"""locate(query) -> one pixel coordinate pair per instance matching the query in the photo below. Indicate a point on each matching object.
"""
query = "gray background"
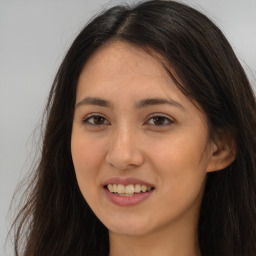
(34, 36)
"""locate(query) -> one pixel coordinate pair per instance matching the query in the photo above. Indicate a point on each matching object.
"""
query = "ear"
(223, 153)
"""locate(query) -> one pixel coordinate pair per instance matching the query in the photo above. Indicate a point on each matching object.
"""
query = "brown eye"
(159, 120)
(96, 120)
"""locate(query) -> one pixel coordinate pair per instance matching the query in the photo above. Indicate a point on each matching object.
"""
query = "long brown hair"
(56, 220)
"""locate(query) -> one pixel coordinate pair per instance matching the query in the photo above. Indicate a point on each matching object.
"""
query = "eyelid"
(167, 117)
(87, 117)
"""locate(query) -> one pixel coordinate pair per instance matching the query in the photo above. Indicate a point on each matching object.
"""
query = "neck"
(180, 241)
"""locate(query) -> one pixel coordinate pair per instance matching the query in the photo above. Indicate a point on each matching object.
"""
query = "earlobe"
(222, 157)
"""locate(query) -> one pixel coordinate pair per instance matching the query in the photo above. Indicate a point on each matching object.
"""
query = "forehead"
(119, 56)
(120, 64)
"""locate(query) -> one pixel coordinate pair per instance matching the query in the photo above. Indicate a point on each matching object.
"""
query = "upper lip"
(126, 181)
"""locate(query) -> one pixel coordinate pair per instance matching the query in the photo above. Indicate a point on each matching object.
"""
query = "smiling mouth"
(128, 190)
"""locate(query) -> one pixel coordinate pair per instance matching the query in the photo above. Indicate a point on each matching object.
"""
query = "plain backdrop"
(34, 36)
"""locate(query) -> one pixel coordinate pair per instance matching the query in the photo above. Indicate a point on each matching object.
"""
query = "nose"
(124, 150)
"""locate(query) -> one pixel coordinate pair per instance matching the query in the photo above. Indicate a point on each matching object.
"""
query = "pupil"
(159, 120)
(98, 120)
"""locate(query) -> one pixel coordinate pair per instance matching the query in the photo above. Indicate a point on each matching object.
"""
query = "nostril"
(124, 160)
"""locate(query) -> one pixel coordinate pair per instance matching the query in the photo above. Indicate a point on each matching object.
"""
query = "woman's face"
(133, 130)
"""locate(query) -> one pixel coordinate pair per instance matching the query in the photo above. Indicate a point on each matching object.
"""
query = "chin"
(132, 227)
(129, 231)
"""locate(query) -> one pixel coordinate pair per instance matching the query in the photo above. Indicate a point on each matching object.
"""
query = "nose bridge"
(124, 149)
(123, 135)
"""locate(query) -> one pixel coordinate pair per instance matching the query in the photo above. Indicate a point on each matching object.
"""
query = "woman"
(150, 126)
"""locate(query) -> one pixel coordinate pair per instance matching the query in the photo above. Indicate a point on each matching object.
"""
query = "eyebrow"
(94, 101)
(159, 101)
(141, 104)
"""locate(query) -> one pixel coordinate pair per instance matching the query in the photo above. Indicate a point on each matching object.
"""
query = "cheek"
(88, 157)
(87, 152)
(181, 165)
(180, 154)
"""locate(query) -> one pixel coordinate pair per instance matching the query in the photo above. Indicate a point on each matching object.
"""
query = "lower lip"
(128, 200)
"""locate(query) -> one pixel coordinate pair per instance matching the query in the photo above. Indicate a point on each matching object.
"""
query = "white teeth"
(110, 188)
(127, 190)
(144, 188)
(137, 188)
(120, 189)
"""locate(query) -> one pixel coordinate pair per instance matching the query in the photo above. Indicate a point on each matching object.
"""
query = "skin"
(173, 153)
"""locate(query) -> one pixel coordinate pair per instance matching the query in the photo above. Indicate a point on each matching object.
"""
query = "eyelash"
(86, 120)
(167, 120)
(164, 120)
